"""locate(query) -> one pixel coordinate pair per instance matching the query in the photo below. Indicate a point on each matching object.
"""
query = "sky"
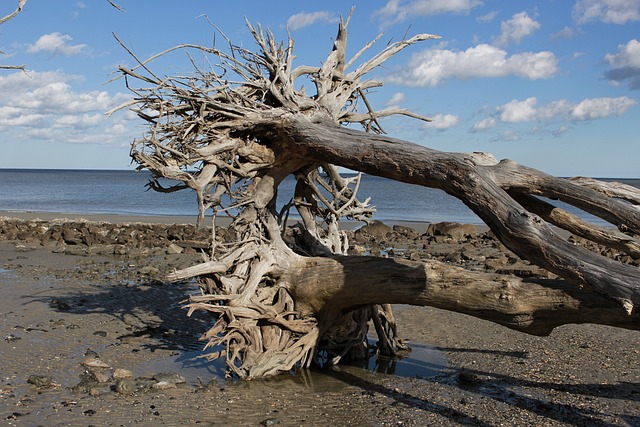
(552, 84)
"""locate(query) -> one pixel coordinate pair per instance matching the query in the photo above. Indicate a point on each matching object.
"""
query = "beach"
(92, 334)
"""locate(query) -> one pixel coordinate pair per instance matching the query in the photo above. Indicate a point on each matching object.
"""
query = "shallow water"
(424, 361)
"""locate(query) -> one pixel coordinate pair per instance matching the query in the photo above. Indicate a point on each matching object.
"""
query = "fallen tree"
(286, 297)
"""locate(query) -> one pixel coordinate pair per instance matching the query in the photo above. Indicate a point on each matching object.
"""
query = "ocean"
(123, 192)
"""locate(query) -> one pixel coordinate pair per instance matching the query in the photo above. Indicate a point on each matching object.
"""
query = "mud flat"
(93, 335)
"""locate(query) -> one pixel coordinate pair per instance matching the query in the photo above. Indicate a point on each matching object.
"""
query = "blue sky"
(551, 84)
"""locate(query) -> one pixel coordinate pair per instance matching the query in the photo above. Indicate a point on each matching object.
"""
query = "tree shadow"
(525, 394)
(151, 311)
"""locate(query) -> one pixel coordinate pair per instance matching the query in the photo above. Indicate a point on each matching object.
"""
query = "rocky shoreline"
(93, 334)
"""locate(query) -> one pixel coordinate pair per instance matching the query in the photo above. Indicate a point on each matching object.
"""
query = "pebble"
(94, 362)
(164, 385)
(125, 386)
(170, 377)
(122, 373)
(41, 381)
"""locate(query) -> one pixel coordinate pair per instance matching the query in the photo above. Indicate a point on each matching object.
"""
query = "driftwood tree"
(286, 297)
(9, 17)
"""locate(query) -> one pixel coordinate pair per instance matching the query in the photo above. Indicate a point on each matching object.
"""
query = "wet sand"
(64, 313)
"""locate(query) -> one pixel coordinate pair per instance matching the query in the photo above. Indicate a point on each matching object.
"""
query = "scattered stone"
(174, 249)
(376, 229)
(454, 230)
(164, 385)
(407, 232)
(170, 377)
(94, 362)
(12, 338)
(269, 422)
(120, 373)
(125, 386)
(100, 376)
(41, 381)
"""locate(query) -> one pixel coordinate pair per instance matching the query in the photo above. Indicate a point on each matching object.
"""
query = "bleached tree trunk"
(289, 297)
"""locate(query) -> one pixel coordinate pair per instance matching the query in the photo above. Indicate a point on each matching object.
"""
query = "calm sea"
(123, 192)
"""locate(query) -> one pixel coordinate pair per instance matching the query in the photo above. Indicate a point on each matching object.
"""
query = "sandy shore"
(68, 311)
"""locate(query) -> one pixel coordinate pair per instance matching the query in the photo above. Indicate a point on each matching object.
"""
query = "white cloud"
(56, 43)
(45, 106)
(301, 20)
(628, 55)
(515, 29)
(396, 11)
(484, 124)
(487, 17)
(430, 67)
(609, 11)
(625, 65)
(443, 121)
(561, 110)
(597, 108)
(395, 99)
(518, 111)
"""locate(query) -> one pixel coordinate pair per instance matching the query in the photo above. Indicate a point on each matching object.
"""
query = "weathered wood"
(278, 294)
(326, 286)
(479, 187)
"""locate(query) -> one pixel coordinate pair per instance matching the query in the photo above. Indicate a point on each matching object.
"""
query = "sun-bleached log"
(287, 297)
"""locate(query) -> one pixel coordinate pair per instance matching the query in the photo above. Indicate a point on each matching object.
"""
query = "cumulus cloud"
(396, 11)
(518, 111)
(521, 111)
(430, 67)
(484, 124)
(57, 44)
(45, 106)
(625, 65)
(443, 121)
(609, 11)
(515, 29)
(301, 20)
(395, 99)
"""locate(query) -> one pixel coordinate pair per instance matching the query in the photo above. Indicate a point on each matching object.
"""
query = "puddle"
(2, 270)
(423, 361)
(195, 370)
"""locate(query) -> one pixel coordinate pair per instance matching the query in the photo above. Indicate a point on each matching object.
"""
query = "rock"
(94, 362)
(120, 373)
(407, 232)
(101, 377)
(170, 377)
(376, 229)
(174, 249)
(454, 230)
(12, 338)
(41, 381)
(415, 256)
(357, 250)
(125, 386)
(164, 385)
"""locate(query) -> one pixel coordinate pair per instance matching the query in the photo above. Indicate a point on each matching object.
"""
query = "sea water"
(125, 192)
